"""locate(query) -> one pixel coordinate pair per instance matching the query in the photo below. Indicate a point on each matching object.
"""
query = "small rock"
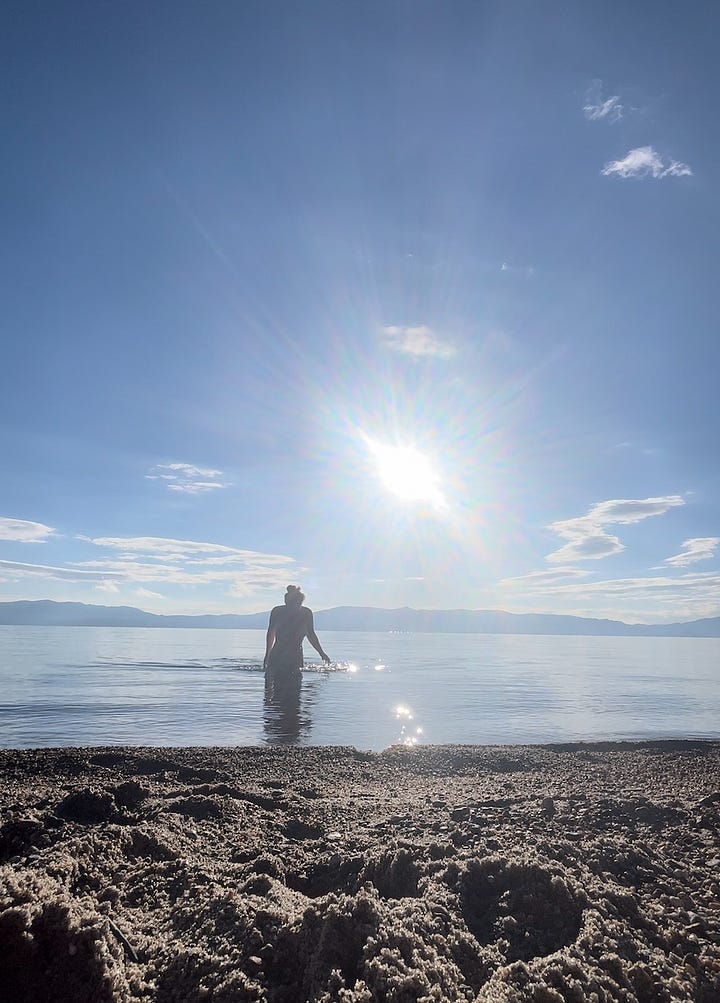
(548, 807)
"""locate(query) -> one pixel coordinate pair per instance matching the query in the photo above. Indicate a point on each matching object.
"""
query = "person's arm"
(313, 638)
(269, 638)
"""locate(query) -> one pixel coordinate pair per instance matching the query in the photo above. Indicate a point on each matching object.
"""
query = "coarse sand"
(551, 874)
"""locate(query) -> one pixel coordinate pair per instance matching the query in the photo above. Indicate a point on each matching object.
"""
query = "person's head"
(293, 596)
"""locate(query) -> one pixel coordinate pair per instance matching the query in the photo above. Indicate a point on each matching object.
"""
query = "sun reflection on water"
(409, 734)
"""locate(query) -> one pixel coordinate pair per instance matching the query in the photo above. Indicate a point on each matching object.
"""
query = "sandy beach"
(552, 874)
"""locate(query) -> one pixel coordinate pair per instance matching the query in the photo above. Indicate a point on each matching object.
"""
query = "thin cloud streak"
(22, 570)
(545, 577)
(173, 549)
(666, 598)
(180, 574)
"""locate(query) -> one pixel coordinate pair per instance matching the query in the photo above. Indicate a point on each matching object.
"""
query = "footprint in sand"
(530, 908)
(47, 957)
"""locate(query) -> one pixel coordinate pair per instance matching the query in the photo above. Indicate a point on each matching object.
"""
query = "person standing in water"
(289, 626)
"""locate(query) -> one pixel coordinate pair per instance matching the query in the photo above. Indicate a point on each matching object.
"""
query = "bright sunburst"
(406, 473)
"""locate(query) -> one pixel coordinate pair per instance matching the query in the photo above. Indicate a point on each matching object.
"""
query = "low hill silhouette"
(48, 613)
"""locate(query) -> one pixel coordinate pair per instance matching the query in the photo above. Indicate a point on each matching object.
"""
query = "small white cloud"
(597, 108)
(22, 531)
(700, 548)
(148, 594)
(417, 341)
(186, 478)
(106, 587)
(644, 162)
(586, 534)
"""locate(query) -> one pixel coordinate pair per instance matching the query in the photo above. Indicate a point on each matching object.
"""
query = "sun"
(406, 473)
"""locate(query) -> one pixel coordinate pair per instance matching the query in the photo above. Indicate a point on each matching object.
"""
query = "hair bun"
(294, 595)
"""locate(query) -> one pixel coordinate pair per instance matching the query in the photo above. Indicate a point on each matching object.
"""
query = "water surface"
(165, 686)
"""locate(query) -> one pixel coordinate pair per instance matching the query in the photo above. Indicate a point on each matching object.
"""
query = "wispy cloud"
(148, 560)
(18, 569)
(645, 162)
(186, 478)
(136, 564)
(700, 548)
(182, 549)
(22, 531)
(418, 342)
(587, 536)
(598, 108)
(527, 270)
(662, 599)
(548, 576)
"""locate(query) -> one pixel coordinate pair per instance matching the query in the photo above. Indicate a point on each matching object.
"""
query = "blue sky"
(250, 248)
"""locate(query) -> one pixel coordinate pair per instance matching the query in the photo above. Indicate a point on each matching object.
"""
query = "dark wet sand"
(552, 874)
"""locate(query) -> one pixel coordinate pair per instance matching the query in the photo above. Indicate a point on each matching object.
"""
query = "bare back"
(290, 624)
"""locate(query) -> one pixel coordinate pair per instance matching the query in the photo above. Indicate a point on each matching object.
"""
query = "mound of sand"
(543, 874)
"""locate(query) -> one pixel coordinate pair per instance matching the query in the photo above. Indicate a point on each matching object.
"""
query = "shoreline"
(559, 873)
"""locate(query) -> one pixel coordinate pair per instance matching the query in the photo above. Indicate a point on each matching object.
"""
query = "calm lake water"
(112, 686)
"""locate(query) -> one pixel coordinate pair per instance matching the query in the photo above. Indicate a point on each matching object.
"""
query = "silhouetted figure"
(289, 626)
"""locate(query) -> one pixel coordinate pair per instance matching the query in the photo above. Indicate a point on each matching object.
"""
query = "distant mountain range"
(46, 613)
